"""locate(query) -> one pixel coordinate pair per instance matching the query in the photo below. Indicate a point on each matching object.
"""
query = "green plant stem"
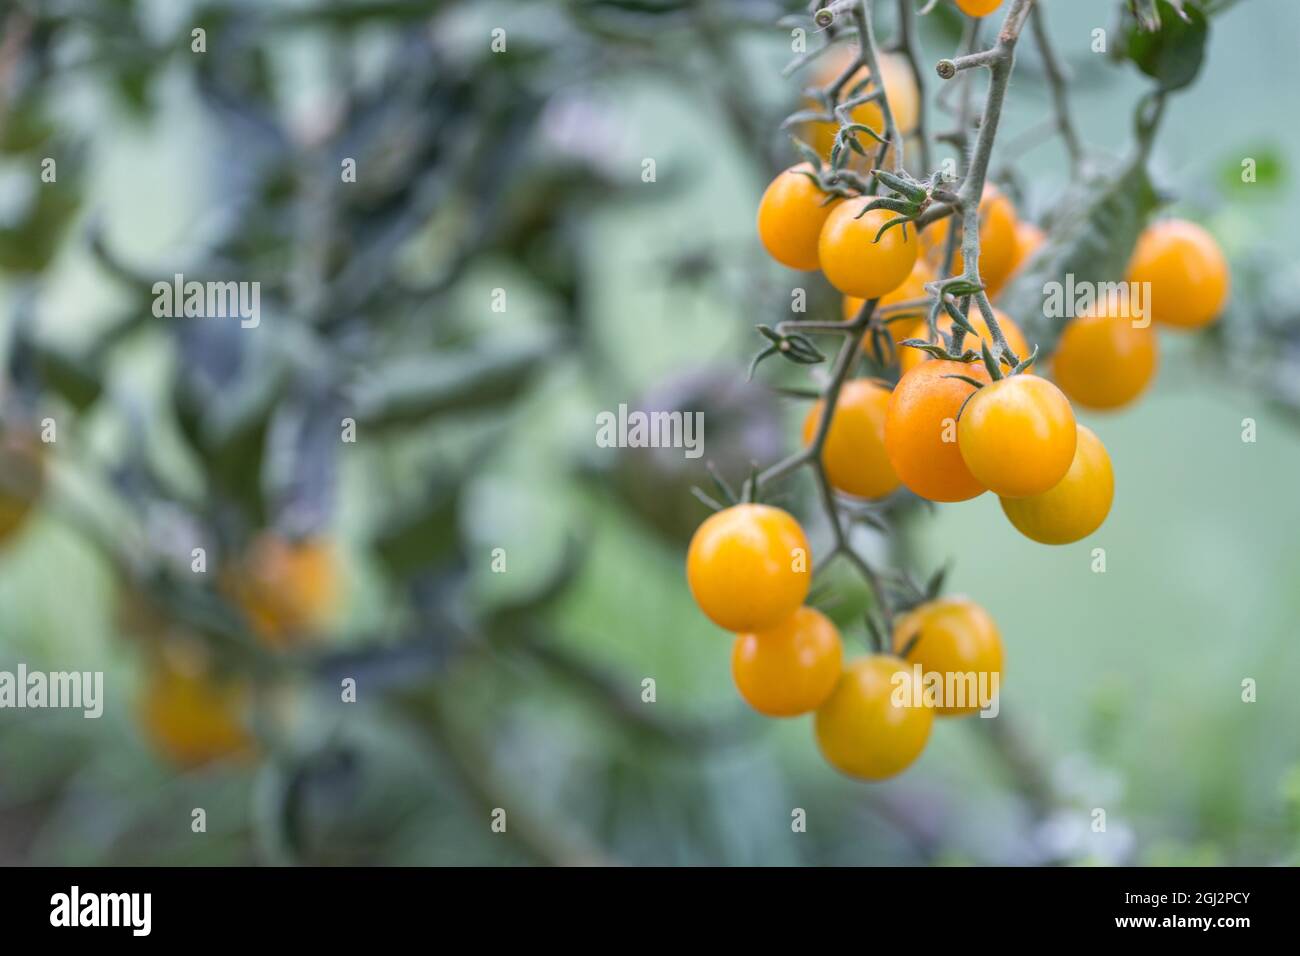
(1056, 82)
(870, 58)
(911, 50)
(1000, 61)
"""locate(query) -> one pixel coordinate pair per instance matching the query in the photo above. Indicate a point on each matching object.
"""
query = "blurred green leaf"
(413, 390)
(1092, 241)
(1173, 53)
(1269, 171)
(422, 537)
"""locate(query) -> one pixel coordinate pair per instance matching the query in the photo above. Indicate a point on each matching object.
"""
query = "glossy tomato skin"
(956, 636)
(790, 218)
(913, 288)
(997, 240)
(747, 567)
(900, 88)
(978, 8)
(1187, 272)
(1105, 362)
(862, 730)
(854, 453)
(854, 262)
(1018, 436)
(789, 669)
(909, 358)
(1076, 506)
(921, 430)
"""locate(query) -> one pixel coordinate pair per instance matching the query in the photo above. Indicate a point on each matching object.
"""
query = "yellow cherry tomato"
(1029, 238)
(909, 358)
(789, 669)
(1104, 361)
(854, 262)
(956, 639)
(288, 589)
(997, 240)
(978, 8)
(900, 89)
(1076, 506)
(921, 430)
(748, 567)
(1017, 436)
(854, 453)
(1187, 272)
(872, 727)
(191, 717)
(790, 218)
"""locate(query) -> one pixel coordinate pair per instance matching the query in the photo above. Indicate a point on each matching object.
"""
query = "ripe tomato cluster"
(947, 430)
(748, 568)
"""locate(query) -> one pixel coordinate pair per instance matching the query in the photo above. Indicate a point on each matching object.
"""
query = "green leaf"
(413, 390)
(424, 536)
(1171, 55)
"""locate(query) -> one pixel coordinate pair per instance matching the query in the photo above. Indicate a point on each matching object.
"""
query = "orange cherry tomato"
(978, 8)
(909, 358)
(956, 639)
(1017, 435)
(854, 453)
(997, 240)
(1076, 506)
(789, 669)
(854, 262)
(790, 218)
(748, 567)
(870, 727)
(1104, 361)
(900, 88)
(191, 717)
(1029, 238)
(921, 430)
(288, 589)
(1187, 272)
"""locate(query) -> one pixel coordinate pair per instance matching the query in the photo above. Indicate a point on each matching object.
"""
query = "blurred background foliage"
(481, 171)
